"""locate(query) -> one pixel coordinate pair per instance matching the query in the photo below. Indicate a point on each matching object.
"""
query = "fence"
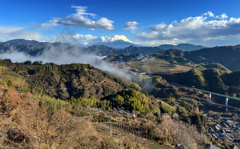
(111, 128)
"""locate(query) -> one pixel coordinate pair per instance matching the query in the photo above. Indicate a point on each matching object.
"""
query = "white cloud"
(149, 36)
(51, 23)
(81, 10)
(2, 40)
(84, 37)
(209, 13)
(223, 16)
(18, 32)
(130, 25)
(197, 28)
(80, 19)
(158, 27)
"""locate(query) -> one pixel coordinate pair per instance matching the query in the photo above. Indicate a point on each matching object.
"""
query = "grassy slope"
(157, 66)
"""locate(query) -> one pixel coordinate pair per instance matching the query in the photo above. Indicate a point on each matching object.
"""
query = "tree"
(182, 112)
(51, 63)
(171, 101)
(28, 62)
(118, 100)
(136, 86)
(37, 63)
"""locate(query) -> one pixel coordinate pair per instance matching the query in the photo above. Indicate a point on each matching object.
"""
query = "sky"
(142, 22)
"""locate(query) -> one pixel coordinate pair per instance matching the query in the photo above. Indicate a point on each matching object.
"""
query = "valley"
(103, 74)
(148, 106)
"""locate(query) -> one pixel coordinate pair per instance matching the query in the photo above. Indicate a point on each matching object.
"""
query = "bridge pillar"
(226, 103)
(210, 96)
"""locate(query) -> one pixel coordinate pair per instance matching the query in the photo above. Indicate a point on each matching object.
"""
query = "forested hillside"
(228, 56)
(62, 93)
(66, 81)
(216, 80)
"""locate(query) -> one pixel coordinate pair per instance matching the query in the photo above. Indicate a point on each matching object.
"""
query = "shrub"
(170, 100)
(166, 109)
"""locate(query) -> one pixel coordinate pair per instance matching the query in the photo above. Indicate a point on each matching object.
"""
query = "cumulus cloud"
(81, 19)
(158, 27)
(209, 13)
(18, 32)
(130, 25)
(149, 36)
(223, 16)
(84, 37)
(194, 28)
(81, 10)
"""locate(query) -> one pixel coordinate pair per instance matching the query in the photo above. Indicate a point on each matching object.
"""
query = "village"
(223, 127)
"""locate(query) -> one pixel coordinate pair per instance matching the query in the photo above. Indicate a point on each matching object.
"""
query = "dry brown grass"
(25, 123)
(176, 132)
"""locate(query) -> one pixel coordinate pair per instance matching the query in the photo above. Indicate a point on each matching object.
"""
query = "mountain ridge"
(182, 46)
(227, 56)
(119, 44)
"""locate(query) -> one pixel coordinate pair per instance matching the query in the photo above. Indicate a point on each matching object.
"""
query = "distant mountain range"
(33, 43)
(228, 56)
(123, 44)
(118, 44)
(237, 45)
(33, 47)
(182, 46)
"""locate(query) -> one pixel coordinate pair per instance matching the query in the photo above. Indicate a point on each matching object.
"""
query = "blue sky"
(143, 22)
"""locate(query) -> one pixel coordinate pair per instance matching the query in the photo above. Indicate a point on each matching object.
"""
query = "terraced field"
(158, 66)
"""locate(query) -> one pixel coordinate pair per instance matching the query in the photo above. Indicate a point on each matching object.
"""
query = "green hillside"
(215, 65)
(66, 81)
(216, 80)
(228, 56)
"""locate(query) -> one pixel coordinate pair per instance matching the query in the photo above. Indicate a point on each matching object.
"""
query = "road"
(217, 104)
(221, 95)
